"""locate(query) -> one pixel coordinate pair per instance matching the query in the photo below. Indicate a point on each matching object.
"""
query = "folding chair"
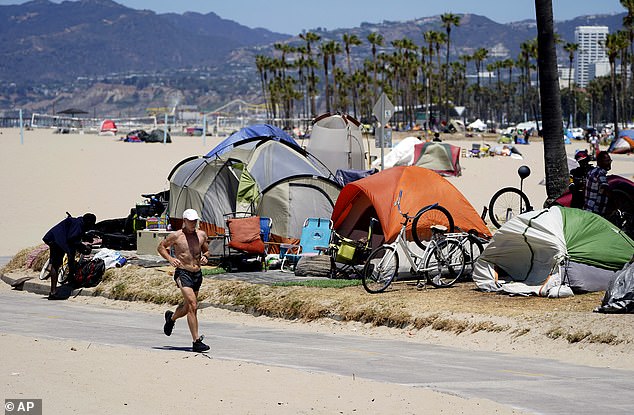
(245, 237)
(315, 240)
(475, 150)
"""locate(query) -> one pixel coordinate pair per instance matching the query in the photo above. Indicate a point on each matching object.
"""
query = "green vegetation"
(319, 283)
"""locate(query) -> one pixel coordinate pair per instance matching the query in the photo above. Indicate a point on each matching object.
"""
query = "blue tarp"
(252, 131)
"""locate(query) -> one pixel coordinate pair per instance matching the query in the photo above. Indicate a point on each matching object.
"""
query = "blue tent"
(250, 132)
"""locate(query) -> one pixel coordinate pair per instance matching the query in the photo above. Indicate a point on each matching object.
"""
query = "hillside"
(105, 57)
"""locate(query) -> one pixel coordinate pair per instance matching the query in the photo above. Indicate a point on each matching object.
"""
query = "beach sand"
(50, 174)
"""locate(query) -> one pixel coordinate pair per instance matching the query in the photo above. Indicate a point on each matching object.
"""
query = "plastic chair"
(315, 240)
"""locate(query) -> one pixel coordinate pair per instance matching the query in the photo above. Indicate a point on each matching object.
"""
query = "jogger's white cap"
(190, 214)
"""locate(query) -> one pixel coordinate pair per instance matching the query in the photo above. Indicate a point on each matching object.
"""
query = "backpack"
(88, 273)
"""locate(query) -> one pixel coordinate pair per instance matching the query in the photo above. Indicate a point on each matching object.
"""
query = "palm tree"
(556, 166)
(571, 48)
(310, 38)
(479, 56)
(351, 40)
(628, 23)
(508, 91)
(325, 50)
(448, 20)
(335, 49)
(375, 39)
(529, 50)
(262, 64)
(614, 42)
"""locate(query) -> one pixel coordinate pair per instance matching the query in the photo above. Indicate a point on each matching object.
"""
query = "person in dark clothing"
(578, 178)
(67, 237)
(597, 190)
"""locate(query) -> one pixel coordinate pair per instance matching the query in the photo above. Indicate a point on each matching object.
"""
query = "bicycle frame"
(417, 262)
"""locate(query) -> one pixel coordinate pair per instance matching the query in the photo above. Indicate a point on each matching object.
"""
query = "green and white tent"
(527, 255)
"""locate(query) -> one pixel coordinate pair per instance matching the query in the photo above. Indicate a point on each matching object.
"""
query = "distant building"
(600, 68)
(591, 40)
(566, 76)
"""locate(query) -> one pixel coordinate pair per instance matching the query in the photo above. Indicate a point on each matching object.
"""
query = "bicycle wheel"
(380, 269)
(621, 210)
(445, 264)
(64, 271)
(44, 273)
(472, 248)
(425, 219)
(506, 204)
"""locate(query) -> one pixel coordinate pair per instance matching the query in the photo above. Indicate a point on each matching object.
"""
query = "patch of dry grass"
(460, 309)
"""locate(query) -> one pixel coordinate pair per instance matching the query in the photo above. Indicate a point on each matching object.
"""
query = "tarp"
(255, 131)
(442, 158)
(236, 181)
(345, 176)
(619, 297)
(337, 140)
(374, 196)
(402, 154)
(530, 248)
(158, 136)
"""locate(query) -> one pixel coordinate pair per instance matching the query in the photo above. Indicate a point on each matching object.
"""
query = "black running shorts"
(189, 279)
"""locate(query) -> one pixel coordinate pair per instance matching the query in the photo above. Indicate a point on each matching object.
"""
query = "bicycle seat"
(438, 229)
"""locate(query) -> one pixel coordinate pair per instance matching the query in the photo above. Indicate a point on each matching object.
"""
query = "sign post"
(383, 111)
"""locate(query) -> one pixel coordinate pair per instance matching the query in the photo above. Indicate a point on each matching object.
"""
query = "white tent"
(401, 155)
(477, 125)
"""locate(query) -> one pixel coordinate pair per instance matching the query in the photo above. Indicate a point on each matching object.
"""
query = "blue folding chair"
(315, 240)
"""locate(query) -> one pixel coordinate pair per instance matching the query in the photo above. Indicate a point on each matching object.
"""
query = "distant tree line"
(425, 79)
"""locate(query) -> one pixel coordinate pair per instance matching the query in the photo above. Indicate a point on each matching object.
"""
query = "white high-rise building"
(591, 40)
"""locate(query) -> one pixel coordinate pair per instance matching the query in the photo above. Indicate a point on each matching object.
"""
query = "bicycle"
(621, 210)
(472, 246)
(509, 202)
(441, 263)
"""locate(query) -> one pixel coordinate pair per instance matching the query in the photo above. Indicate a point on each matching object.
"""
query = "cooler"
(148, 240)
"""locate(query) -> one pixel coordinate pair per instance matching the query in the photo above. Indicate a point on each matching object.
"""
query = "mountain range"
(73, 46)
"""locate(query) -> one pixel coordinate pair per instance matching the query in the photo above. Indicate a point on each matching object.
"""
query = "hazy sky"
(294, 16)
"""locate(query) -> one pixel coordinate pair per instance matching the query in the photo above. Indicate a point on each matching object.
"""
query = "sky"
(295, 16)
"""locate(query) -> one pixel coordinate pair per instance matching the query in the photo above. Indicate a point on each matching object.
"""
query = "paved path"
(534, 384)
(4, 260)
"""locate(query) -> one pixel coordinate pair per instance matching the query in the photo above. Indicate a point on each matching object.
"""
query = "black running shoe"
(198, 346)
(169, 323)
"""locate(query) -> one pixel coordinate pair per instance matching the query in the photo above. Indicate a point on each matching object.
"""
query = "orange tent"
(375, 195)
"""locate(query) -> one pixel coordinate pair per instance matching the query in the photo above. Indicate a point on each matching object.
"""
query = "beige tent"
(337, 141)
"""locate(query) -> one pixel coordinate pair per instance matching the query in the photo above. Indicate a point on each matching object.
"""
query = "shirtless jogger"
(190, 250)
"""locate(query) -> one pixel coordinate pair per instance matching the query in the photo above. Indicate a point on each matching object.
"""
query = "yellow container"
(346, 251)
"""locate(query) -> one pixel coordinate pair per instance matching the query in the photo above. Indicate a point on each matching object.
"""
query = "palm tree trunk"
(555, 162)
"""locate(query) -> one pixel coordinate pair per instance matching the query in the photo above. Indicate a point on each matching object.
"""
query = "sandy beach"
(50, 174)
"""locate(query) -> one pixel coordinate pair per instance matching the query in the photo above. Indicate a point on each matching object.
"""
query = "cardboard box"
(148, 240)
